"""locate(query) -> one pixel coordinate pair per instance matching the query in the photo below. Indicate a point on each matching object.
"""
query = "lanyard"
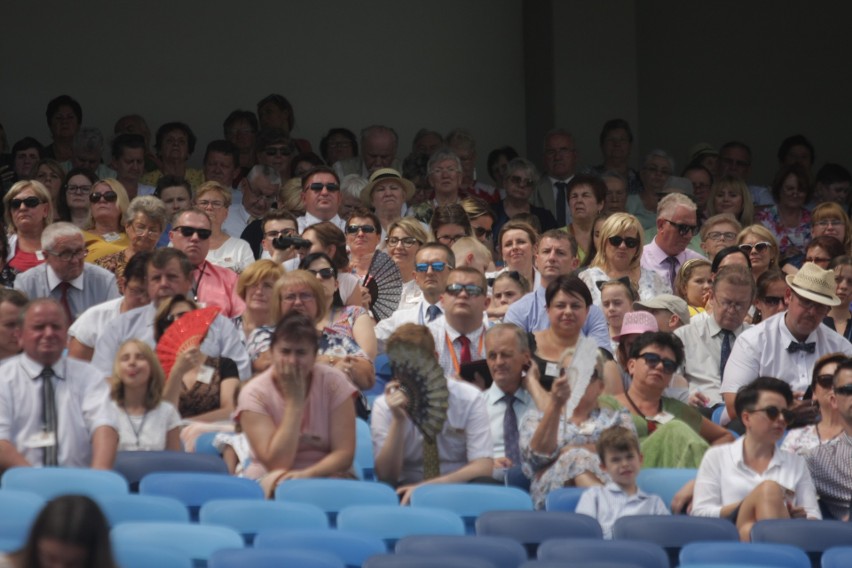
(197, 282)
(456, 365)
(136, 431)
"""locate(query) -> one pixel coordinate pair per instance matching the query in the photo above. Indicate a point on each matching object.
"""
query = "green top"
(679, 410)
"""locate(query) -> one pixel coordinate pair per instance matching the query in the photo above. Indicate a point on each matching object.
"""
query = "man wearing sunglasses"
(211, 285)
(677, 223)
(259, 190)
(321, 197)
(65, 276)
(275, 149)
(788, 344)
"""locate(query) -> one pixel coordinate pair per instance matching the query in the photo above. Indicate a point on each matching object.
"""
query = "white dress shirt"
(608, 503)
(449, 356)
(724, 479)
(416, 314)
(88, 327)
(82, 406)
(762, 351)
(497, 410)
(237, 220)
(308, 220)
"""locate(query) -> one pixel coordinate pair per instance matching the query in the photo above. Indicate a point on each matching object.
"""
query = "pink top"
(217, 286)
(23, 261)
(329, 389)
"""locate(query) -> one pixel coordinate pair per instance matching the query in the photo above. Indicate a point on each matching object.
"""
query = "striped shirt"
(831, 470)
(608, 503)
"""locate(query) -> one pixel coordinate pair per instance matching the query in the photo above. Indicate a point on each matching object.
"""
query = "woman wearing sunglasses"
(671, 433)
(619, 253)
(328, 238)
(769, 300)
(104, 232)
(28, 211)
(802, 440)
(363, 233)
(760, 246)
(520, 181)
(405, 237)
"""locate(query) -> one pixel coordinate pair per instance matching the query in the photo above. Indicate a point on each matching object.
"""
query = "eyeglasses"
(171, 318)
(472, 290)
(318, 186)
(406, 242)
(481, 232)
(108, 196)
(682, 228)
(355, 229)
(144, 230)
(810, 305)
(30, 202)
(187, 232)
(655, 170)
(732, 306)
(773, 412)
(772, 300)
(845, 390)
(720, 236)
(629, 242)
(450, 240)
(441, 171)
(205, 203)
(281, 233)
(425, 266)
(67, 255)
(304, 297)
(829, 223)
(759, 247)
(79, 189)
(324, 273)
(817, 259)
(521, 182)
(653, 361)
(271, 151)
(825, 381)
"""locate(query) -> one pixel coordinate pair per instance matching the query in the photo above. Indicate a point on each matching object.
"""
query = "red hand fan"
(187, 332)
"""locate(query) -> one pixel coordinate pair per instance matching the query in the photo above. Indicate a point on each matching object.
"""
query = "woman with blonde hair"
(254, 286)
(226, 250)
(105, 234)
(730, 194)
(619, 253)
(145, 420)
(290, 197)
(51, 174)
(830, 220)
(405, 237)
(760, 245)
(28, 210)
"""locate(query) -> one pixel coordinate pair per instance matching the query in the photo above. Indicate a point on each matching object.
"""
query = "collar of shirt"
(312, 220)
(657, 256)
(715, 330)
(33, 368)
(53, 280)
(494, 394)
(615, 488)
(554, 181)
(453, 334)
(736, 449)
(424, 305)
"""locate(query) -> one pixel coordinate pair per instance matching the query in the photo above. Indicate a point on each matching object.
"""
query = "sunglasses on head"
(30, 202)
(480, 232)
(424, 266)
(318, 187)
(108, 196)
(758, 247)
(773, 412)
(629, 242)
(825, 381)
(472, 290)
(324, 273)
(845, 390)
(354, 229)
(682, 228)
(653, 360)
(187, 232)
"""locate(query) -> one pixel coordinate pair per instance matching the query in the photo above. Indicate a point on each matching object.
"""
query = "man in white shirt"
(787, 345)
(677, 222)
(321, 196)
(259, 192)
(54, 411)
(560, 162)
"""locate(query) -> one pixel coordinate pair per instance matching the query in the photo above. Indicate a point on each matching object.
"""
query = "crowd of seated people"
(716, 307)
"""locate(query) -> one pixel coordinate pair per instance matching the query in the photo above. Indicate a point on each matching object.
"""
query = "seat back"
(195, 542)
(442, 561)
(50, 482)
(133, 466)
(502, 552)
(563, 499)
(141, 508)
(672, 532)
(813, 538)
(364, 458)
(837, 557)
(581, 552)
(392, 522)
(137, 556)
(352, 548)
(250, 516)
(471, 500)
(271, 558)
(194, 489)
(757, 554)
(18, 510)
(665, 482)
(332, 495)
(531, 528)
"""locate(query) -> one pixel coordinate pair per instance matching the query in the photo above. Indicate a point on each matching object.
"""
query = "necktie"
(728, 339)
(464, 352)
(510, 430)
(673, 262)
(63, 299)
(48, 405)
(432, 312)
(801, 346)
(561, 203)
(431, 462)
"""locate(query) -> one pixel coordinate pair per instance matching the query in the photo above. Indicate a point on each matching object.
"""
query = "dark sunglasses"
(472, 290)
(480, 232)
(274, 151)
(773, 412)
(825, 381)
(629, 242)
(424, 266)
(30, 202)
(324, 273)
(109, 197)
(759, 247)
(366, 229)
(187, 232)
(520, 182)
(318, 187)
(845, 390)
(772, 300)
(653, 360)
(682, 228)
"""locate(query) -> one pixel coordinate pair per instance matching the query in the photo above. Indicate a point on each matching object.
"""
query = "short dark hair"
(296, 327)
(162, 256)
(346, 133)
(318, 170)
(494, 155)
(124, 141)
(595, 182)
(281, 102)
(277, 215)
(720, 256)
(453, 214)
(269, 136)
(172, 181)
(223, 147)
(833, 173)
(796, 170)
(747, 396)
(831, 245)
(434, 245)
(172, 126)
(661, 339)
(364, 213)
(137, 266)
(569, 284)
(616, 439)
(27, 143)
(827, 359)
(60, 101)
(237, 116)
(14, 297)
(615, 124)
(736, 144)
(845, 365)
(795, 140)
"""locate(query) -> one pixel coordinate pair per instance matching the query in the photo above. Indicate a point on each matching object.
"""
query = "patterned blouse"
(791, 240)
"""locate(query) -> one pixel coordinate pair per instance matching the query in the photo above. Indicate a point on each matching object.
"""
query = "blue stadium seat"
(471, 500)
(50, 482)
(531, 528)
(443, 561)
(352, 548)
(756, 554)
(195, 542)
(563, 499)
(665, 482)
(392, 522)
(837, 557)
(250, 516)
(332, 495)
(136, 465)
(18, 510)
(672, 532)
(204, 444)
(814, 538)
(139, 556)
(270, 558)
(194, 489)
(502, 552)
(364, 459)
(581, 552)
(140, 508)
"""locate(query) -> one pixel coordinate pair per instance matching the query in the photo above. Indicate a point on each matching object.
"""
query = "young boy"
(618, 449)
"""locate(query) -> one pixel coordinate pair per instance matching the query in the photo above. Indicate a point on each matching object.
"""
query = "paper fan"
(187, 332)
(580, 371)
(422, 380)
(384, 282)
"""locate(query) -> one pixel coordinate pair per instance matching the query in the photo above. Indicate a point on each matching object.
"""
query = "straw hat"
(383, 174)
(814, 283)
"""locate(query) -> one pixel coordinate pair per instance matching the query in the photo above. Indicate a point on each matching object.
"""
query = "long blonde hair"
(156, 379)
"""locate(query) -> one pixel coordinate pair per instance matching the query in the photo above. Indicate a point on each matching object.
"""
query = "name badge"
(205, 374)
(662, 417)
(587, 428)
(41, 440)
(551, 370)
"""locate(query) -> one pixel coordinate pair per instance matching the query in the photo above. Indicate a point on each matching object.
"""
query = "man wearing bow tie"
(787, 345)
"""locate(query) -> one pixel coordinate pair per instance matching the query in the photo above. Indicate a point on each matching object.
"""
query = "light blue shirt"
(608, 503)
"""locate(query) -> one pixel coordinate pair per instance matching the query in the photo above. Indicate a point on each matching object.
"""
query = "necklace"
(136, 431)
(630, 400)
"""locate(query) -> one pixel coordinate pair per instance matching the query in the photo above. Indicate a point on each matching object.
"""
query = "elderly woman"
(559, 450)
(226, 251)
(28, 211)
(144, 221)
(802, 440)
(175, 143)
(718, 232)
(298, 415)
(326, 237)
(789, 220)
(51, 175)
(730, 194)
(26, 153)
(363, 232)
(405, 237)
(64, 116)
(445, 178)
(586, 197)
(387, 193)
(105, 234)
(830, 220)
(517, 243)
(619, 252)
(672, 433)
(520, 181)
(761, 247)
(254, 286)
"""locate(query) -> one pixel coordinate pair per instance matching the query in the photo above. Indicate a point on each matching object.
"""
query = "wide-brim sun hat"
(815, 284)
(383, 174)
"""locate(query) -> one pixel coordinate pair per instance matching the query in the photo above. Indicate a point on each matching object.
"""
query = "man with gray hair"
(378, 150)
(259, 191)
(677, 222)
(65, 276)
(560, 162)
(87, 153)
(655, 173)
